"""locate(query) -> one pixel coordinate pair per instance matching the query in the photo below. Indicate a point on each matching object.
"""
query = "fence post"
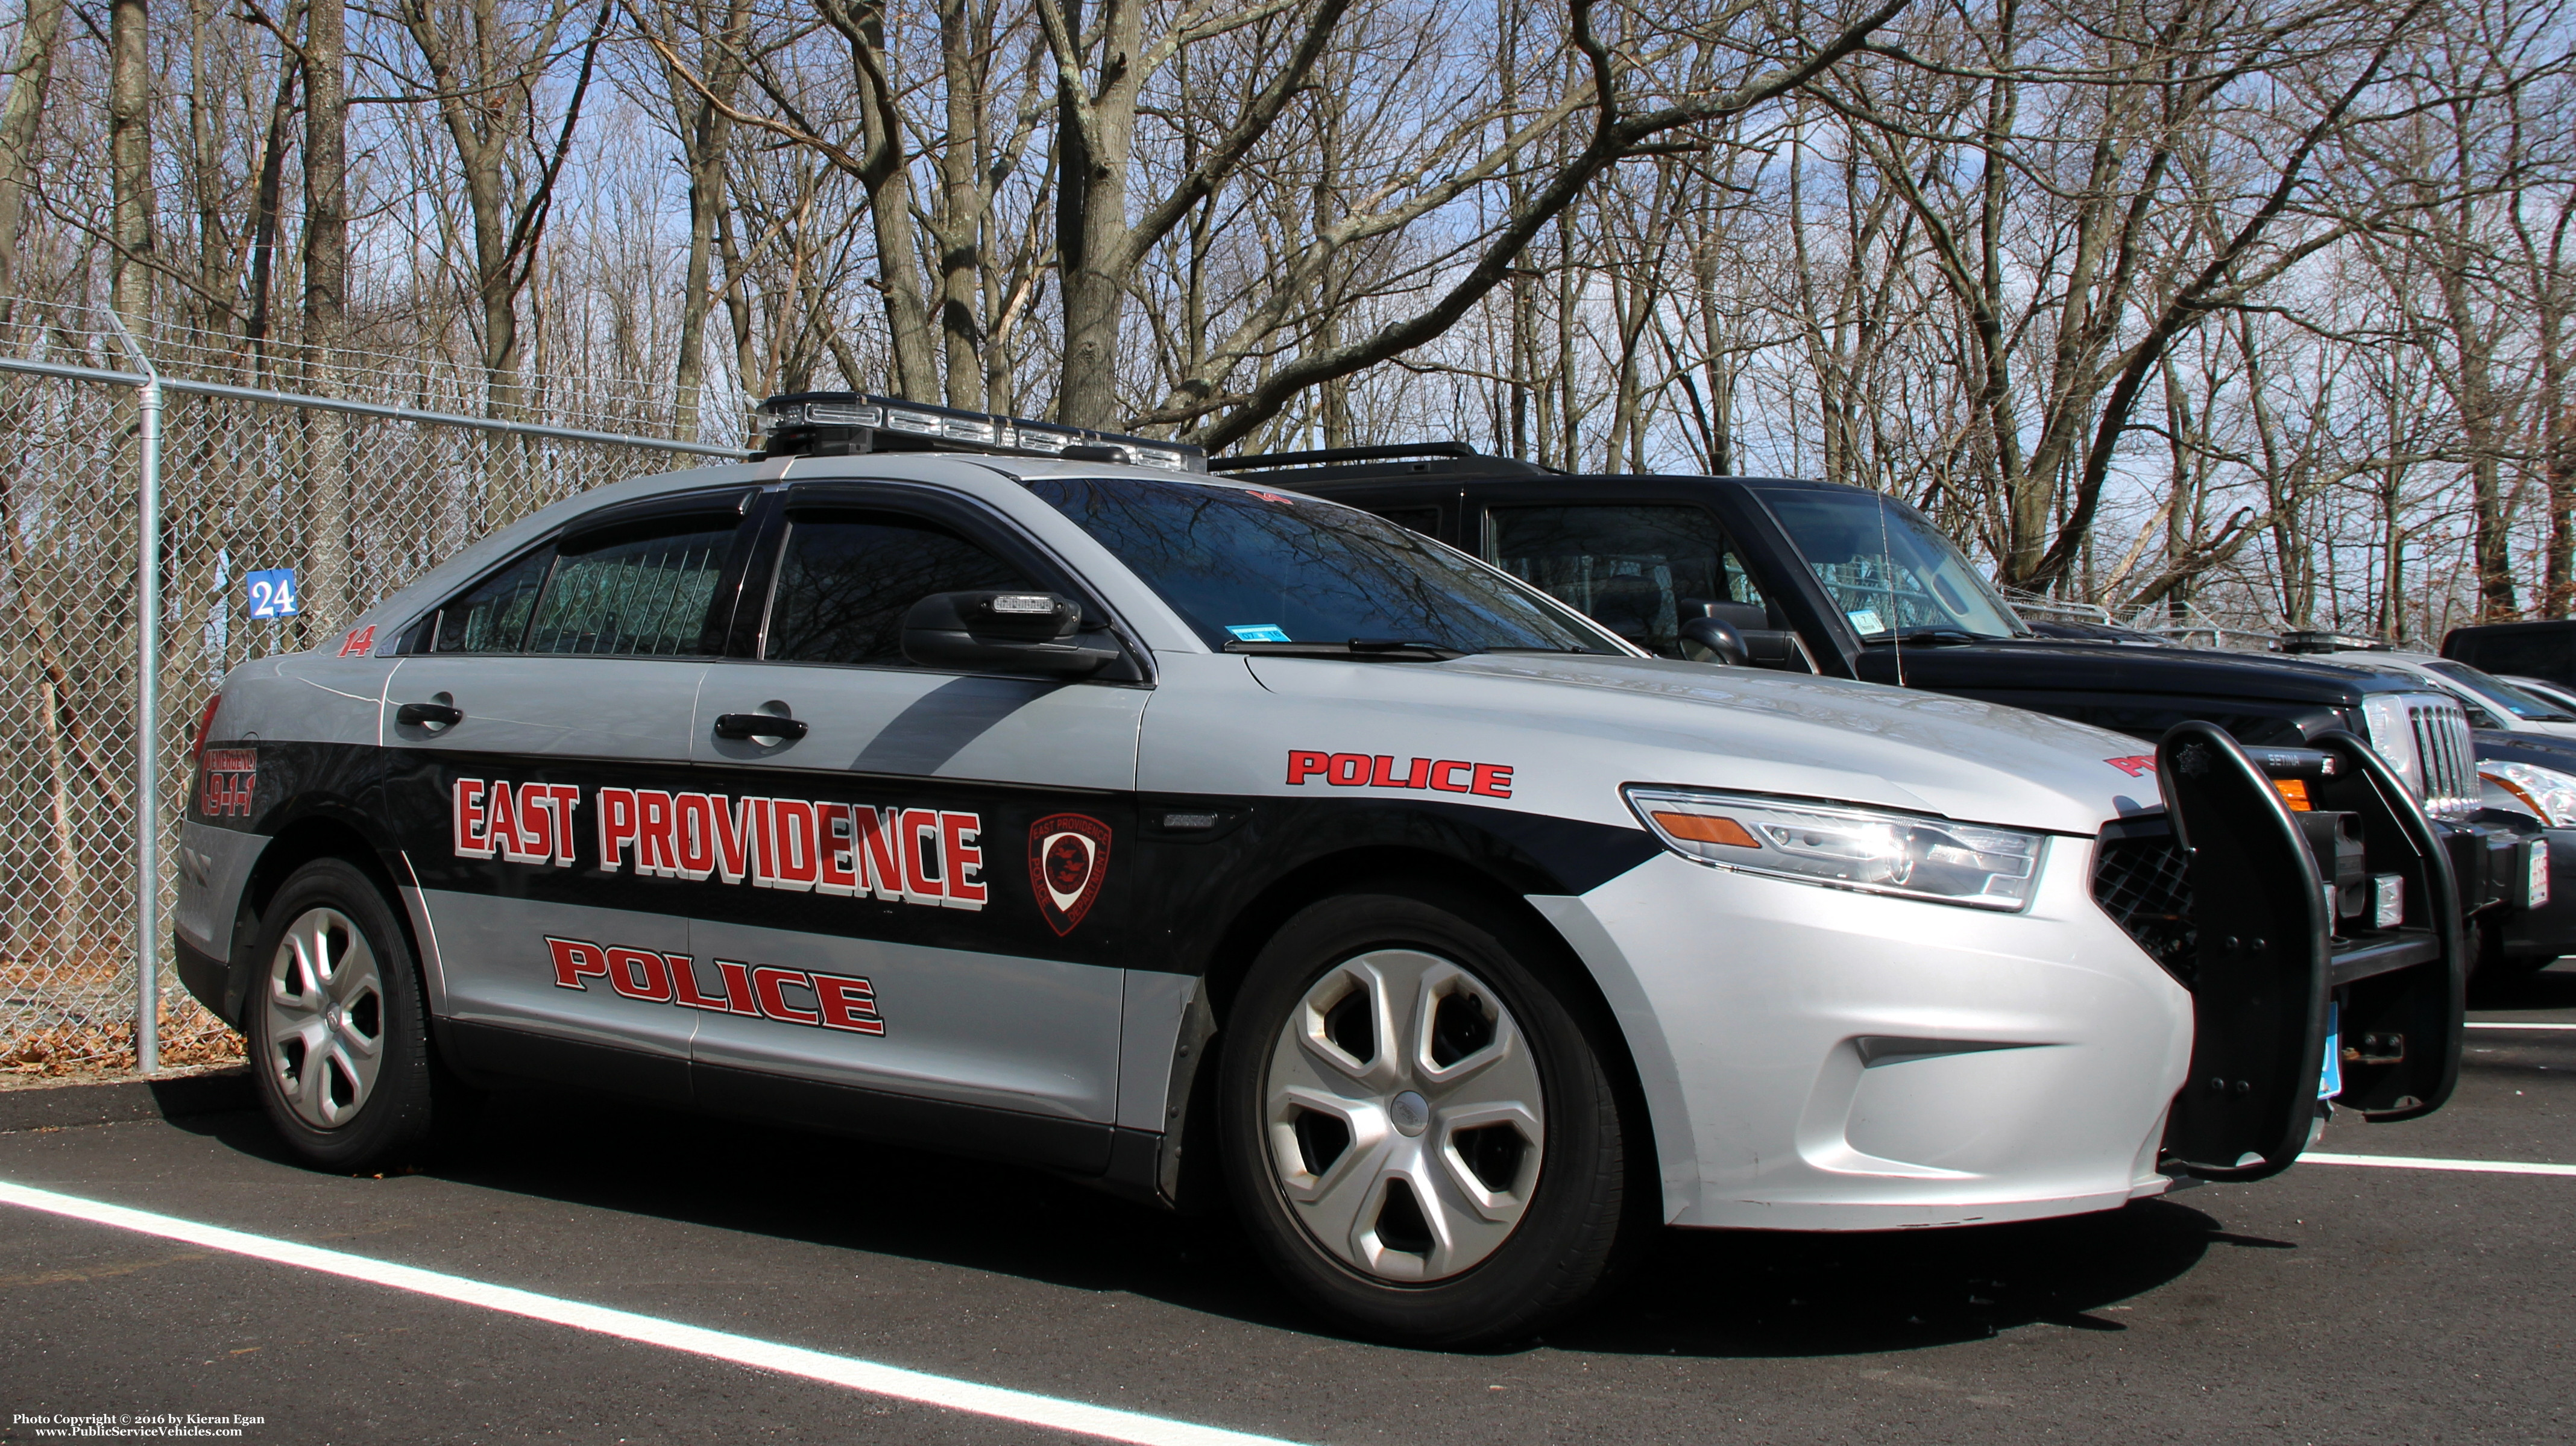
(147, 712)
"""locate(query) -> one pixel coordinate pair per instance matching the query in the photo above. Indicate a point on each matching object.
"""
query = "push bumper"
(2267, 953)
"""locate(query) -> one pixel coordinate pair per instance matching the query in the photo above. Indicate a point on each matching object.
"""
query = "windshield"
(2496, 693)
(1268, 567)
(1890, 572)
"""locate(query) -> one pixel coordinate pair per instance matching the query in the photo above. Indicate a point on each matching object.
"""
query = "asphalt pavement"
(2338, 1303)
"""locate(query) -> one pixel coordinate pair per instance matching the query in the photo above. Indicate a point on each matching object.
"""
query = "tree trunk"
(129, 149)
(962, 202)
(706, 135)
(19, 115)
(1092, 190)
(329, 584)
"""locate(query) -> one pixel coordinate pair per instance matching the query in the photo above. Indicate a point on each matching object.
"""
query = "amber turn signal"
(1707, 828)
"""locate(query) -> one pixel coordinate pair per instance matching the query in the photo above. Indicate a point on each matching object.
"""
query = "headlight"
(2529, 788)
(2392, 737)
(1847, 848)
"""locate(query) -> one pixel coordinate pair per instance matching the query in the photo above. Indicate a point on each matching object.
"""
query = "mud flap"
(2259, 991)
(2401, 1026)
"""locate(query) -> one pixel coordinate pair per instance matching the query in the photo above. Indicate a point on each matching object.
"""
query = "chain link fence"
(359, 477)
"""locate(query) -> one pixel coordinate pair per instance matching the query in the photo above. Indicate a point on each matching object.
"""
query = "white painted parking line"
(2510, 1024)
(943, 1391)
(2411, 1162)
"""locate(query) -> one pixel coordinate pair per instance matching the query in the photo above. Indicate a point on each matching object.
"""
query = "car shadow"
(2551, 988)
(1695, 1293)
(1787, 1293)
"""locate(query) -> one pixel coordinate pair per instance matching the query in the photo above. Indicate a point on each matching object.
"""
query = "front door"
(920, 894)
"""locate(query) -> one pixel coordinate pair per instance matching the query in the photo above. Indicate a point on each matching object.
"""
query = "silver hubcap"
(326, 1018)
(1405, 1116)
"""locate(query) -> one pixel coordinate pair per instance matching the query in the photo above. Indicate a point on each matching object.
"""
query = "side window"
(1425, 520)
(637, 591)
(846, 580)
(1630, 568)
(492, 616)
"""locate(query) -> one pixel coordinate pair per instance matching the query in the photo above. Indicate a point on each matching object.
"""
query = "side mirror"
(1003, 632)
(1756, 642)
(1714, 640)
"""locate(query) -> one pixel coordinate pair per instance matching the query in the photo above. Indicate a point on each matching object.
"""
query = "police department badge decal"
(1068, 857)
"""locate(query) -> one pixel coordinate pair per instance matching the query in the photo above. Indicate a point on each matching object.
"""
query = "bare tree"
(129, 120)
(29, 75)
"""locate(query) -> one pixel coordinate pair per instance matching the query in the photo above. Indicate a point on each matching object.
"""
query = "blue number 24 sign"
(272, 593)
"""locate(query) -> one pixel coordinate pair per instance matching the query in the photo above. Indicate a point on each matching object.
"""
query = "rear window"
(492, 616)
(2496, 693)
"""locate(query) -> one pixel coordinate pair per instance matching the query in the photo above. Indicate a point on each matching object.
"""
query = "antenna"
(1895, 608)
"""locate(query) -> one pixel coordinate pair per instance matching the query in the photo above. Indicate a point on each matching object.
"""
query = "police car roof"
(957, 469)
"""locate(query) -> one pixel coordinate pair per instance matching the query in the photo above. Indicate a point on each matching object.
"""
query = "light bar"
(840, 423)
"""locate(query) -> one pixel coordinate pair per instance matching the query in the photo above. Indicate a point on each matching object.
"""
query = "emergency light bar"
(847, 424)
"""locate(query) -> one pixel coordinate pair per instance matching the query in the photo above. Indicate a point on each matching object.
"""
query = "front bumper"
(1815, 1059)
(2537, 935)
(1829, 1060)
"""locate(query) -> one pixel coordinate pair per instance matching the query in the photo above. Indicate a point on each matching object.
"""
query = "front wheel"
(1418, 1129)
(338, 1029)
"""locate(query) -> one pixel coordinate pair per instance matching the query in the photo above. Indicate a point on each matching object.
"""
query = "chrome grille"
(2142, 883)
(2449, 754)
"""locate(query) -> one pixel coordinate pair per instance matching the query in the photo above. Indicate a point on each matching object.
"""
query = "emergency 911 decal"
(231, 775)
(758, 991)
(922, 856)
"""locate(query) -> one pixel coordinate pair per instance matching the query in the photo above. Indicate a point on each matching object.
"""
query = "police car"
(988, 787)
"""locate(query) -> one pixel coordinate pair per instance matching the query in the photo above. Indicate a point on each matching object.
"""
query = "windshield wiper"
(1392, 650)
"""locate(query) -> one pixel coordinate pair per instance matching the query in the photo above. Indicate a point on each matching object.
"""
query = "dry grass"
(68, 1016)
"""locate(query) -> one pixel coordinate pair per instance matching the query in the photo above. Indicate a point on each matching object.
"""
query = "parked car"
(2525, 743)
(950, 780)
(1843, 582)
(2535, 649)
(2492, 702)
(2558, 695)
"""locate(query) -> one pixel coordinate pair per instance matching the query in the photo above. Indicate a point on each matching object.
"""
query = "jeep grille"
(2449, 755)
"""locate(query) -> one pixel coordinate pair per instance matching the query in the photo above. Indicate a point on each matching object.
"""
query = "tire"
(338, 1028)
(1418, 1132)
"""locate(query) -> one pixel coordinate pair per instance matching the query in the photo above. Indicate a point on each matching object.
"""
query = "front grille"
(2142, 883)
(2449, 754)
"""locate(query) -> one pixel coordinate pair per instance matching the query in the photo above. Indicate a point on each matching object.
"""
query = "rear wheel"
(337, 1026)
(1418, 1130)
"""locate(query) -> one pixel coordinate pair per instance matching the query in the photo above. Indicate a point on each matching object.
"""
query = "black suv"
(1841, 581)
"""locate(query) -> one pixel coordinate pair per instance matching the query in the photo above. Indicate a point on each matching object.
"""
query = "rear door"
(926, 899)
(567, 676)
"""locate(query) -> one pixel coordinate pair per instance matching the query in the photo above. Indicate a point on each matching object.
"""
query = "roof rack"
(1362, 464)
(849, 424)
(1320, 455)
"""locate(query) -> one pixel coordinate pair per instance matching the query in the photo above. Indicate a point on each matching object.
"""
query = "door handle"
(414, 715)
(740, 726)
